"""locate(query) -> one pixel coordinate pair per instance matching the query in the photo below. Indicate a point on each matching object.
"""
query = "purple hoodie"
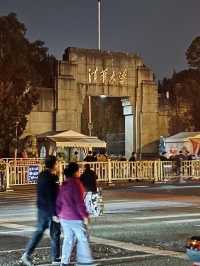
(70, 201)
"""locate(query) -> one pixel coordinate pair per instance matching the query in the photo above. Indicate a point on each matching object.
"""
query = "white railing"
(16, 173)
(191, 169)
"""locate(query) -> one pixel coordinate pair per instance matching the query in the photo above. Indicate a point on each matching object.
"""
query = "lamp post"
(90, 125)
(16, 136)
(99, 24)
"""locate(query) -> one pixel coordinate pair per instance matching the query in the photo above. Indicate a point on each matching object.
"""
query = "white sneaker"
(25, 260)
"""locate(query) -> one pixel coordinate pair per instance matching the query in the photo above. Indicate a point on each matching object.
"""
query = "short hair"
(87, 166)
(71, 169)
(50, 162)
(90, 152)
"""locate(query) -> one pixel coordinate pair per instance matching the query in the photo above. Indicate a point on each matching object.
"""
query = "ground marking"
(166, 216)
(181, 221)
(134, 247)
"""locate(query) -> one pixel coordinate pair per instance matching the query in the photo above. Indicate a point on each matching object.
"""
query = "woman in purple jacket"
(73, 216)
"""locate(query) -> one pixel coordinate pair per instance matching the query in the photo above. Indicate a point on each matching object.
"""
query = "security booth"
(67, 145)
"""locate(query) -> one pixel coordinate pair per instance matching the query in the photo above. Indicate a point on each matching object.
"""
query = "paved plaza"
(142, 225)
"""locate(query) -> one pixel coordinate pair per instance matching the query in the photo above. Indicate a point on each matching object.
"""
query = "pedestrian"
(102, 157)
(90, 157)
(74, 218)
(75, 157)
(89, 179)
(123, 159)
(93, 197)
(189, 156)
(133, 157)
(163, 156)
(47, 190)
(179, 158)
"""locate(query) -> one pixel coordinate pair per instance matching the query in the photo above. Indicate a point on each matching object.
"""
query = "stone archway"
(84, 73)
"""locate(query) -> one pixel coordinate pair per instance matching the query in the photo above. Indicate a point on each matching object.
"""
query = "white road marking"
(181, 221)
(140, 248)
(166, 216)
(18, 219)
(16, 233)
(174, 187)
(121, 207)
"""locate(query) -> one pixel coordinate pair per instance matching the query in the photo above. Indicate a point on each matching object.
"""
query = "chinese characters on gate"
(106, 76)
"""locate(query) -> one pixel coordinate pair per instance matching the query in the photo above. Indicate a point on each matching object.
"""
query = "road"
(142, 225)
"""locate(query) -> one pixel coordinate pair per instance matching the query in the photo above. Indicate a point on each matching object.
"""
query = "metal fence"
(23, 172)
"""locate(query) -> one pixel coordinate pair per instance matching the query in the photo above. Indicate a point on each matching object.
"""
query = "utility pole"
(90, 124)
(99, 24)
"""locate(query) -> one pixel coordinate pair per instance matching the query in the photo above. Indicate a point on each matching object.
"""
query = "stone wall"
(41, 119)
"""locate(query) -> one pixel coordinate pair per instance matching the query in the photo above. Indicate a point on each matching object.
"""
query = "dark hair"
(71, 169)
(90, 152)
(87, 167)
(50, 162)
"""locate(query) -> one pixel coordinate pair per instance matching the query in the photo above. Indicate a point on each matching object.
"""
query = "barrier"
(191, 169)
(23, 172)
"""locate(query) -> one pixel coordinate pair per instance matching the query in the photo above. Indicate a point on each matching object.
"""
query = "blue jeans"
(194, 255)
(45, 222)
(75, 232)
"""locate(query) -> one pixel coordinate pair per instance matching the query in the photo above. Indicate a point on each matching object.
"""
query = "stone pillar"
(147, 112)
(69, 105)
(129, 127)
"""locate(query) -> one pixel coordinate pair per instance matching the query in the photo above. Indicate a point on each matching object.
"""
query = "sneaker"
(56, 261)
(25, 260)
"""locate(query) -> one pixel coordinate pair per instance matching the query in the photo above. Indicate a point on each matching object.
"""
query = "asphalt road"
(142, 225)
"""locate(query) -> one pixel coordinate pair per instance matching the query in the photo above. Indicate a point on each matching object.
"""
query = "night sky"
(158, 30)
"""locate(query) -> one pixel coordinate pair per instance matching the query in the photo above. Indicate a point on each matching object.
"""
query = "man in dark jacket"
(47, 189)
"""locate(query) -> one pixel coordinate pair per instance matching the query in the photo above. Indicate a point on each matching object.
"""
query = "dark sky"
(159, 30)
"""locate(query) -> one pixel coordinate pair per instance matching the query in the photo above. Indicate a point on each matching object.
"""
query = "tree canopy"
(183, 90)
(193, 54)
(24, 66)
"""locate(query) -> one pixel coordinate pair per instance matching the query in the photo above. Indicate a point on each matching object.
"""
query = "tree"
(193, 54)
(184, 95)
(24, 66)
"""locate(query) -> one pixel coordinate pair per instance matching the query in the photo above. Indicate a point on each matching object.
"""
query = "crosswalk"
(18, 217)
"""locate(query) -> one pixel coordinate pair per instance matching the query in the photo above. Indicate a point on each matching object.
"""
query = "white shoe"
(25, 260)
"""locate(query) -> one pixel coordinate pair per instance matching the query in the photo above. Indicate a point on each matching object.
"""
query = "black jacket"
(89, 181)
(47, 190)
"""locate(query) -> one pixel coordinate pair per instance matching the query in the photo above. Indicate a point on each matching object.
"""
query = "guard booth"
(2, 176)
(66, 143)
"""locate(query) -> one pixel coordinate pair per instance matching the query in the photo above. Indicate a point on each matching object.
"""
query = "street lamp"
(99, 24)
(90, 125)
(16, 136)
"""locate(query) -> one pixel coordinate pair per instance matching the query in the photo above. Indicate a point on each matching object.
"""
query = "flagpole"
(99, 24)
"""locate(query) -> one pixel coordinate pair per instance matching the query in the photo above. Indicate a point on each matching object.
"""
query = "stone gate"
(86, 72)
